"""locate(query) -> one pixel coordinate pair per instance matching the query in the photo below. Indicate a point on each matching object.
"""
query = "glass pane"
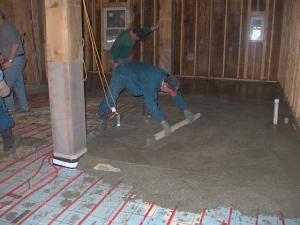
(257, 29)
(257, 23)
(116, 18)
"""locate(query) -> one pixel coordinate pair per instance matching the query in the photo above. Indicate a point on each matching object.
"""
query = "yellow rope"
(99, 65)
(84, 65)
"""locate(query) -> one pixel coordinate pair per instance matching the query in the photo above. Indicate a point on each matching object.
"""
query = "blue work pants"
(118, 83)
(5, 120)
(14, 79)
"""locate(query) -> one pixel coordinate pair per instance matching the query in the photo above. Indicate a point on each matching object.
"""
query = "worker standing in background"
(141, 79)
(6, 122)
(12, 51)
(124, 44)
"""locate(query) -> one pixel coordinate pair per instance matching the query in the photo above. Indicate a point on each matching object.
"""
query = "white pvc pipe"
(275, 115)
(118, 120)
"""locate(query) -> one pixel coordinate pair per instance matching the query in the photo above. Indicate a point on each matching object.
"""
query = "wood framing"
(289, 63)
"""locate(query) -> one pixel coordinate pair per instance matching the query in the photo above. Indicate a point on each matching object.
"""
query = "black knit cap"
(173, 82)
(139, 32)
(2, 14)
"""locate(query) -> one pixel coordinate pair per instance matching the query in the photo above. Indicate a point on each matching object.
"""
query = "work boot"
(8, 140)
(146, 112)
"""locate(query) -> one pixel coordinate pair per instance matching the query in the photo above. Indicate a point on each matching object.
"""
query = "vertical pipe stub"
(275, 114)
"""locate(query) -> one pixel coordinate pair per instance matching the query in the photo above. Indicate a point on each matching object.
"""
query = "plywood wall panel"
(217, 40)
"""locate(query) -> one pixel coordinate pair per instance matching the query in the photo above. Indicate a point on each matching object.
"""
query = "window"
(257, 26)
(114, 23)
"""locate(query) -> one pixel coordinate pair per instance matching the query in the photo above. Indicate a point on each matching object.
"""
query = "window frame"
(251, 28)
(105, 28)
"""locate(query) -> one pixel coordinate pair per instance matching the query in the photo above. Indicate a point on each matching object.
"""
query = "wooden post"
(65, 78)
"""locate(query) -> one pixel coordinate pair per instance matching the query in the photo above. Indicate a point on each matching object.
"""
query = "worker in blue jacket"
(141, 79)
(6, 122)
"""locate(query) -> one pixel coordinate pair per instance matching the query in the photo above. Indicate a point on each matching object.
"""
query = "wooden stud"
(155, 44)
(240, 39)
(37, 38)
(271, 41)
(210, 38)
(196, 38)
(254, 61)
(295, 92)
(225, 38)
(247, 42)
(263, 61)
(296, 103)
(142, 25)
(181, 36)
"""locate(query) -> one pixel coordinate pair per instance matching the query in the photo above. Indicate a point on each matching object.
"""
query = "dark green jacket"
(124, 44)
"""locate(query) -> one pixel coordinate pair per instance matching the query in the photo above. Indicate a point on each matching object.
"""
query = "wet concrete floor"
(231, 156)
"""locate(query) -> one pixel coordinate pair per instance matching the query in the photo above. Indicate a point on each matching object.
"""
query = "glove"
(189, 115)
(166, 127)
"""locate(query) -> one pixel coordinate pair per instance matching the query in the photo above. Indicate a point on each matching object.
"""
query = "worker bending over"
(141, 79)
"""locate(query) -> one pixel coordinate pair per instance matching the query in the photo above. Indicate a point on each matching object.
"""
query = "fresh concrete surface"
(231, 156)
